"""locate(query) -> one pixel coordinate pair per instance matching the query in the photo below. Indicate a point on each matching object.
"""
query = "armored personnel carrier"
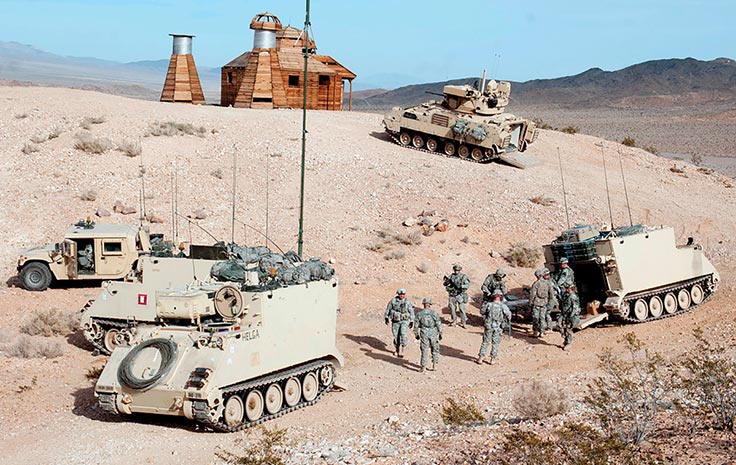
(467, 122)
(247, 354)
(638, 273)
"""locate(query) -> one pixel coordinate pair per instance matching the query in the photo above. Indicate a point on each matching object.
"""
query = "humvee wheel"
(641, 310)
(404, 138)
(327, 375)
(449, 149)
(234, 411)
(432, 145)
(254, 405)
(655, 306)
(274, 398)
(110, 339)
(310, 387)
(683, 299)
(292, 391)
(463, 151)
(476, 154)
(35, 276)
(670, 303)
(696, 292)
(417, 141)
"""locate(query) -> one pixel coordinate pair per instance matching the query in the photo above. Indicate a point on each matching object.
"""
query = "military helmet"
(497, 292)
(539, 272)
(545, 271)
(500, 273)
(426, 301)
(457, 267)
(568, 284)
(564, 260)
(401, 290)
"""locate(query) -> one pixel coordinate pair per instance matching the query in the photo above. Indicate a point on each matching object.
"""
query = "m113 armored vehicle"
(638, 273)
(247, 354)
(468, 122)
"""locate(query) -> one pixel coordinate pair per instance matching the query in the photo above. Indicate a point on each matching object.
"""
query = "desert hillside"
(358, 184)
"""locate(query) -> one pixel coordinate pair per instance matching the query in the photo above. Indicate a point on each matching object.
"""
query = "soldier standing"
(428, 329)
(400, 313)
(564, 274)
(569, 313)
(456, 286)
(555, 299)
(542, 300)
(492, 282)
(495, 315)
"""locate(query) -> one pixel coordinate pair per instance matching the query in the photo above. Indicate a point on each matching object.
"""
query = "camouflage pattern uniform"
(563, 276)
(400, 313)
(428, 329)
(542, 300)
(569, 313)
(85, 258)
(456, 285)
(493, 282)
(495, 316)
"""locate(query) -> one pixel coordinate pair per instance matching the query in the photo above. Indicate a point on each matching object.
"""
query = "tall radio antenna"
(142, 172)
(608, 193)
(232, 225)
(268, 175)
(306, 51)
(564, 193)
(626, 192)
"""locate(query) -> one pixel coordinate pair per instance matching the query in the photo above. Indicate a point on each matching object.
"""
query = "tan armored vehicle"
(245, 357)
(468, 122)
(88, 251)
(638, 273)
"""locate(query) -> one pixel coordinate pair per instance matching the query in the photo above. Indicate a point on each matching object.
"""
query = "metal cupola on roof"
(264, 27)
(182, 81)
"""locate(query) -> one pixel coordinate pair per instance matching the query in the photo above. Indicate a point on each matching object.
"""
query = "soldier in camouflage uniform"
(557, 295)
(494, 281)
(456, 286)
(495, 316)
(400, 313)
(428, 329)
(563, 274)
(542, 300)
(569, 313)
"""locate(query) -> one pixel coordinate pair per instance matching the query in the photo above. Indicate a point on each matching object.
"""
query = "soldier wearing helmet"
(428, 330)
(495, 316)
(492, 282)
(569, 313)
(542, 300)
(563, 274)
(400, 313)
(457, 285)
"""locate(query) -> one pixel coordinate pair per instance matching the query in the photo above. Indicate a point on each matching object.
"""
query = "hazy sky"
(423, 41)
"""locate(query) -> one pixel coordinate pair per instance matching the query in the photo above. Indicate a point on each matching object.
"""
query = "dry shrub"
(570, 130)
(628, 141)
(92, 144)
(696, 159)
(28, 387)
(29, 148)
(541, 124)
(651, 149)
(93, 373)
(389, 241)
(217, 173)
(56, 131)
(21, 115)
(707, 171)
(676, 169)
(542, 200)
(270, 447)
(460, 413)
(50, 322)
(423, 268)
(88, 121)
(89, 196)
(540, 400)
(26, 346)
(395, 255)
(38, 139)
(523, 254)
(171, 128)
(130, 148)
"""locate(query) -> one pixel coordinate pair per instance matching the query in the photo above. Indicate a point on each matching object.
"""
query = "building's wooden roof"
(239, 62)
(292, 59)
(292, 37)
(341, 70)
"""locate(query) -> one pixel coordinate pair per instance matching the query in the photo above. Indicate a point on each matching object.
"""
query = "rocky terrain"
(358, 183)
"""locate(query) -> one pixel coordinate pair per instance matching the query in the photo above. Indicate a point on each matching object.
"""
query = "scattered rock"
(387, 450)
(495, 254)
(410, 221)
(425, 221)
(392, 420)
(427, 230)
(153, 218)
(197, 215)
(442, 226)
(428, 213)
(332, 261)
(118, 206)
(102, 212)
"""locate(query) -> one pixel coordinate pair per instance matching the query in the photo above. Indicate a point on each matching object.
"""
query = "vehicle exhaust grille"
(441, 120)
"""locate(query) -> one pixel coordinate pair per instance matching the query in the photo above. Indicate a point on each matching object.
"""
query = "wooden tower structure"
(271, 75)
(182, 81)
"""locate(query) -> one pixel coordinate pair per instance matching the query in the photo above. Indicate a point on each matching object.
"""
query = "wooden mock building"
(271, 75)
(182, 80)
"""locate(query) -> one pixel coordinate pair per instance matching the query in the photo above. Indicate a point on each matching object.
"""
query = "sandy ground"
(357, 183)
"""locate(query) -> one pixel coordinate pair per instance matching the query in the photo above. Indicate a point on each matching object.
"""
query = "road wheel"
(696, 292)
(327, 375)
(254, 405)
(234, 411)
(463, 151)
(449, 149)
(683, 299)
(476, 154)
(292, 392)
(432, 145)
(417, 141)
(404, 138)
(641, 310)
(35, 276)
(274, 398)
(310, 387)
(110, 340)
(655, 307)
(670, 303)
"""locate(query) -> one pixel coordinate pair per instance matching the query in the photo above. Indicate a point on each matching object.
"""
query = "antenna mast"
(564, 193)
(232, 225)
(626, 192)
(268, 175)
(306, 51)
(142, 172)
(608, 193)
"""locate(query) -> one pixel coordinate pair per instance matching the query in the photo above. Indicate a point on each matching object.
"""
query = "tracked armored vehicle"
(638, 273)
(247, 355)
(467, 122)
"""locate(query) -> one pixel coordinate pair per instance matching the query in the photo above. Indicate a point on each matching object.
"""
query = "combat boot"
(480, 360)
(462, 325)
(493, 361)
(396, 351)
(400, 351)
(423, 369)
(434, 367)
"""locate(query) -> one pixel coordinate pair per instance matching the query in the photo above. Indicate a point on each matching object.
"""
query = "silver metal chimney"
(182, 44)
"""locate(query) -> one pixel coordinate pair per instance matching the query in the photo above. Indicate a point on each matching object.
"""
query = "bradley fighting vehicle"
(232, 355)
(637, 272)
(468, 122)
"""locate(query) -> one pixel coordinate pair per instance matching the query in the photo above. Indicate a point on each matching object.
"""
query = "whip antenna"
(626, 192)
(608, 193)
(268, 156)
(306, 51)
(564, 193)
(232, 225)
